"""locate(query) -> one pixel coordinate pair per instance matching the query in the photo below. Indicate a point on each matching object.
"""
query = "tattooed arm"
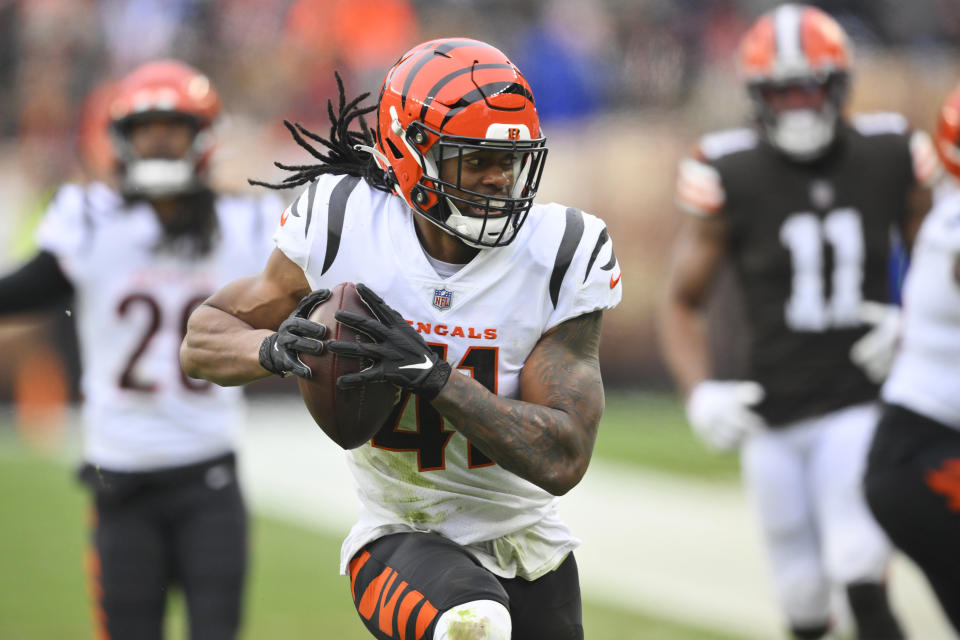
(547, 435)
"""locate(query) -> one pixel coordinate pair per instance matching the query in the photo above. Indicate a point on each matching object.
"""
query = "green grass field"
(294, 591)
(650, 431)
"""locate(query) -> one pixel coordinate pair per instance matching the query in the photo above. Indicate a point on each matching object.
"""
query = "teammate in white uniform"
(802, 206)
(158, 445)
(913, 474)
(490, 325)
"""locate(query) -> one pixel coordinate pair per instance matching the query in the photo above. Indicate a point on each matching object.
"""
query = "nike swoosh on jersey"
(426, 364)
(614, 281)
(284, 216)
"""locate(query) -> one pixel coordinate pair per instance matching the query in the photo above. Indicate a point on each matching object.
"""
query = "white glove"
(874, 352)
(719, 412)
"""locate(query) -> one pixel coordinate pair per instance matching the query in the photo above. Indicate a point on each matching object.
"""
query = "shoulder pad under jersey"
(879, 123)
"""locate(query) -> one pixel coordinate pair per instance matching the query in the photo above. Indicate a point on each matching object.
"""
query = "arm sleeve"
(37, 284)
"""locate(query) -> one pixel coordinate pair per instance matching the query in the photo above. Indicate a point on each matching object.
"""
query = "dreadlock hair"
(342, 157)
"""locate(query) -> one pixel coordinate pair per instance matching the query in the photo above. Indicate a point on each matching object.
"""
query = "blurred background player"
(913, 471)
(137, 257)
(804, 206)
(459, 535)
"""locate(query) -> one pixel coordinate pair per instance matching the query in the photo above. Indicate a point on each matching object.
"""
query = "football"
(349, 417)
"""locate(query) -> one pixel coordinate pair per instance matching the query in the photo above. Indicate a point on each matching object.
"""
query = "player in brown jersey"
(803, 205)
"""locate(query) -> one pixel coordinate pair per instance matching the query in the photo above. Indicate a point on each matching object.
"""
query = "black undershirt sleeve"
(38, 284)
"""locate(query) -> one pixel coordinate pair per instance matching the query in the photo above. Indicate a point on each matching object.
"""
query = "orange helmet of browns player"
(947, 139)
(172, 89)
(802, 49)
(447, 99)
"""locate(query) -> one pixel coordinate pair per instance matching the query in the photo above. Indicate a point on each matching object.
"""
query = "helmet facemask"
(479, 218)
(806, 132)
(158, 177)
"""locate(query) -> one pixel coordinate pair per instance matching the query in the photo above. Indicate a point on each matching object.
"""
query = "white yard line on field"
(673, 547)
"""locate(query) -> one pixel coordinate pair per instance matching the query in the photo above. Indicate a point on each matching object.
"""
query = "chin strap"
(381, 159)
(471, 226)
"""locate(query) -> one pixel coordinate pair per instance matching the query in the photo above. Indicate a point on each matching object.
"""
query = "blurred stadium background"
(624, 87)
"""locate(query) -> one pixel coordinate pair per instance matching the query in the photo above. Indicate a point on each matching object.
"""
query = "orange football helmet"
(447, 99)
(165, 88)
(797, 48)
(947, 138)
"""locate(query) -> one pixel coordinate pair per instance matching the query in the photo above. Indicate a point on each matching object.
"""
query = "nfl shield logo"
(442, 298)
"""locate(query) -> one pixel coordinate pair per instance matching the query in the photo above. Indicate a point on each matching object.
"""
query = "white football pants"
(806, 482)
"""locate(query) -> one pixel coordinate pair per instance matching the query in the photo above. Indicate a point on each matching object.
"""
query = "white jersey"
(926, 377)
(485, 319)
(141, 412)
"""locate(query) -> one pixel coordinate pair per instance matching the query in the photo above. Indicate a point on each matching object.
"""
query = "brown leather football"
(349, 416)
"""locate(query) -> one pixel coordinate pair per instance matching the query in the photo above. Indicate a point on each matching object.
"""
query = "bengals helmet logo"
(513, 133)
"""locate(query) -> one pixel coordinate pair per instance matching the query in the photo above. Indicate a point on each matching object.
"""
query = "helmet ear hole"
(393, 149)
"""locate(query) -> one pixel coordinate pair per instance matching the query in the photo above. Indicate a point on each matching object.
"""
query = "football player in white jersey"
(803, 206)
(913, 471)
(158, 448)
(489, 313)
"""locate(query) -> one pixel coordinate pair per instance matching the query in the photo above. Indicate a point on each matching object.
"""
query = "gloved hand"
(719, 412)
(874, 352)
(280, 352)
(399, 354)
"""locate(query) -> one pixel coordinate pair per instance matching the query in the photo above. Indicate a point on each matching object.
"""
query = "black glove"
(398, 352)
(280, 352)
